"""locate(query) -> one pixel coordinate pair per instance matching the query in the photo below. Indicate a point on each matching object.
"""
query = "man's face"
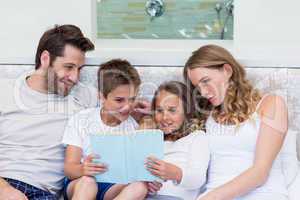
(63, 74)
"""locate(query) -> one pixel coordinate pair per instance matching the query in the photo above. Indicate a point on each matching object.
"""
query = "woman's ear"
(227, 70)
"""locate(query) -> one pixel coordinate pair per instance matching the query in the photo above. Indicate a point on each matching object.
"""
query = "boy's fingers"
(97, 165)
(90, 157)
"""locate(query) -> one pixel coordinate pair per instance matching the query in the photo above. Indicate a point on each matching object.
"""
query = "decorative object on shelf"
(155, 8)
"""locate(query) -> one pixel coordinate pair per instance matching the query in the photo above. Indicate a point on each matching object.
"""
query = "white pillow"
(298, 146)
(288, 152)
(294, 192)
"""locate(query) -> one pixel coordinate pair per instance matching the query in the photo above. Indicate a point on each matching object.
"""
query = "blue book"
(125, 155)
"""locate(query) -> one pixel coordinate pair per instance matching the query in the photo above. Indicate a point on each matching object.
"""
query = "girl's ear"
(227, 70)
(101, 97)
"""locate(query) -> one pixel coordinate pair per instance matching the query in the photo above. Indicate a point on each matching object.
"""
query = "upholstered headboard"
(284, 81)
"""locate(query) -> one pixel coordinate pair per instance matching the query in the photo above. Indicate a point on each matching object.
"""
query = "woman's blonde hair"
(241, 97)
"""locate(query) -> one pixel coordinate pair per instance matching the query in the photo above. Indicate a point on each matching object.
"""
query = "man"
(33, 113)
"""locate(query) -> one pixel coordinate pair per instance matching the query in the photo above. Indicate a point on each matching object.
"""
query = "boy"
(118, 84)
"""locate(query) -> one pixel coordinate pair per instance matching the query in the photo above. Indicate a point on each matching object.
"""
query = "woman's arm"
(195, 170)
(74, 168)
(273, 128)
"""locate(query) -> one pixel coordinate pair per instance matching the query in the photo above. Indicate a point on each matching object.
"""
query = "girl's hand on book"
(153, 187)
(164, 170)
(90, 169)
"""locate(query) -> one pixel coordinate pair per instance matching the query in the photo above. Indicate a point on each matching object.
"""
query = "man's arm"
(9, 192)
(3, 183)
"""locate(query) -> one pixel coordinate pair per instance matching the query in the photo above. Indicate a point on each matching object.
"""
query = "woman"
(246, 129)
(186, 152)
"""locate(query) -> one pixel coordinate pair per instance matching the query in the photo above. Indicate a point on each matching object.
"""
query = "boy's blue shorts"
(102, 189)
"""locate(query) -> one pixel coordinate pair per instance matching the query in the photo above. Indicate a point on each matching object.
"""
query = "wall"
(266, 33)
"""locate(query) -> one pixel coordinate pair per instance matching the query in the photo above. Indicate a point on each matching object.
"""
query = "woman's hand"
(164, 170)
(90, 169)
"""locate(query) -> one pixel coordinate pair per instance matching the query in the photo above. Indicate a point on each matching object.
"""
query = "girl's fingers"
(154, 187)
(154, 160)
(151, 165)
(155, 172)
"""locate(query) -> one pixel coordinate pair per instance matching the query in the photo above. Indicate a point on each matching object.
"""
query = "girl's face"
(211, 83)
(169, 113)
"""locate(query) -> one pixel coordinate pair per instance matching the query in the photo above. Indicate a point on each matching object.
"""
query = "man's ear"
(227, 70)
(45, 59)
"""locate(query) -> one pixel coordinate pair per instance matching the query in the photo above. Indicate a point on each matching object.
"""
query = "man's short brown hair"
(55, 39)
(114, 73)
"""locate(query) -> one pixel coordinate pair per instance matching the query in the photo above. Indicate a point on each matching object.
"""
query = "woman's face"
(211, 83)
(169, 113)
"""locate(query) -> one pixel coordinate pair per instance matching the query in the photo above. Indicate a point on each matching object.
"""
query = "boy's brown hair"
(114, 73)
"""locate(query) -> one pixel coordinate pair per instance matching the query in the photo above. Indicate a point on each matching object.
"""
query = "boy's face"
(120, 101)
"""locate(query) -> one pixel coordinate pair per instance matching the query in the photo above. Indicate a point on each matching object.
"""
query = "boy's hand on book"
(154, 187)
(91, 169)
(164, 170)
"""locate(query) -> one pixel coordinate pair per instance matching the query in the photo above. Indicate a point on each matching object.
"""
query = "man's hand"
(90, 169)
(142, 106)
(10, 193)
(141, 109)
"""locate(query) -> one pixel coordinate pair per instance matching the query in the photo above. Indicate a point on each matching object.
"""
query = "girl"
(186, 151)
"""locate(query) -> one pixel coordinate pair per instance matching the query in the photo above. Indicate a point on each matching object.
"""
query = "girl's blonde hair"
(241, 97)
(191, 122)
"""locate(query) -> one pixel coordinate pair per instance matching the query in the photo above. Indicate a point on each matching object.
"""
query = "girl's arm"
(273, 128)
(192, 174)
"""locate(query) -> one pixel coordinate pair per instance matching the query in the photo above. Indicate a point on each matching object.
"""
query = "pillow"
(298, 146)
(288, 152)
(294, 192)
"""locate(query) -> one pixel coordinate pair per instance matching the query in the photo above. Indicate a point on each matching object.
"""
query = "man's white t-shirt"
(87, 122)
(31, 129)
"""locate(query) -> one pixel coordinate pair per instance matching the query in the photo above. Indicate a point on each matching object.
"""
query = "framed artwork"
(165, 19)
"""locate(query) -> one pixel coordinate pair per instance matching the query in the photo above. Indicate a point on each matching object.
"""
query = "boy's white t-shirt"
(88, 122)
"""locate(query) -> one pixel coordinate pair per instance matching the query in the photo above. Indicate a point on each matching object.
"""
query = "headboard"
(284, 81)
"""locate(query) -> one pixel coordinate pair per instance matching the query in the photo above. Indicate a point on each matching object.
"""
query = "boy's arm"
(75, 169)
(73, 166)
